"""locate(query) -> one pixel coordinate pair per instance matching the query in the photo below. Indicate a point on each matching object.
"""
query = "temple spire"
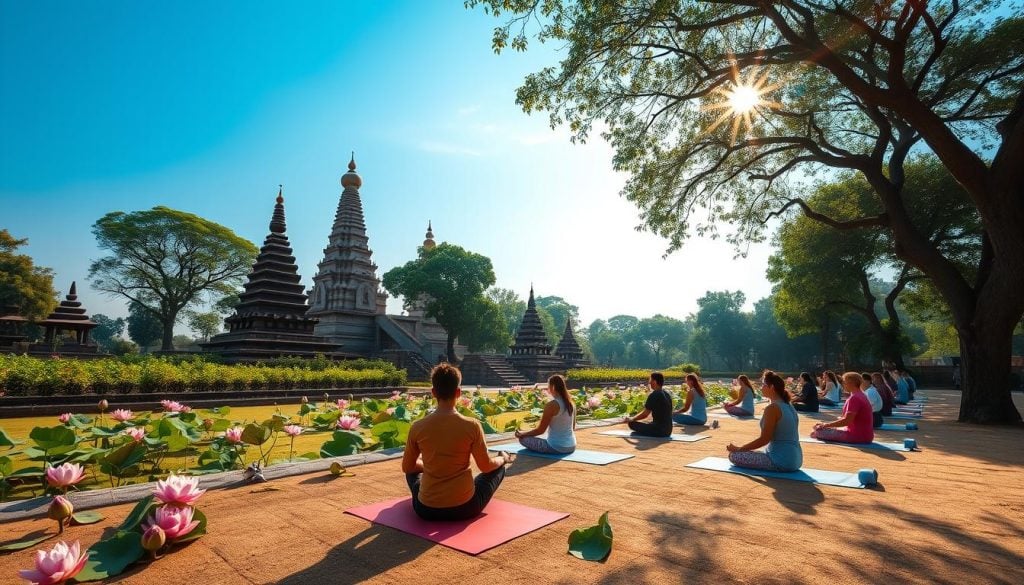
(428, 243)
(530, 338)
(277, 224)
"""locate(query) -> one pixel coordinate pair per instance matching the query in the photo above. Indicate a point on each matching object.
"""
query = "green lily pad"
(89, 517)
(112, 556)
(342, 443)
(6, 440)
(255, 434)
(23, 544)
(138, 513)
(593, 543)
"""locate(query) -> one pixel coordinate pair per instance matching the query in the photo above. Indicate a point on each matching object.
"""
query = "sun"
(743, 100)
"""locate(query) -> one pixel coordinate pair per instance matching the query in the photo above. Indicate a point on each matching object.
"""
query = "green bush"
(623, 376)
(27, 376)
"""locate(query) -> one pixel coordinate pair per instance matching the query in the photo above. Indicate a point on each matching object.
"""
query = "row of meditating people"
(437, 454)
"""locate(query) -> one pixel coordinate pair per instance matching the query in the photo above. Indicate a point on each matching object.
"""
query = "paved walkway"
(952, 513)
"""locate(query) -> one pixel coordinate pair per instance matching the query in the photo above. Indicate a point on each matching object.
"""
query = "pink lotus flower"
(136, 433)
(342, 404)
(233, 435)
(61, 563)
(348, 423)
(395, 394)
(185, 408)
(171, 405)
(174, 521)
(465, 402)
(593, 402)
(292, 430)
(64, 418)
(65, 475)
(390, 410)
(122, 415)
(178, 489)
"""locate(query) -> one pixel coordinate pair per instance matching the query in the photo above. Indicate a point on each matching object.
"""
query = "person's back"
(560, 432)
(832, 392)
(748, 399)
(660, 404)
(446, 442)
(784, 448)
(876, 406)
(698, 408)
(902, 391)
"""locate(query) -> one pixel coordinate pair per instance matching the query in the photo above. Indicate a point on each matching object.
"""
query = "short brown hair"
(446, 379)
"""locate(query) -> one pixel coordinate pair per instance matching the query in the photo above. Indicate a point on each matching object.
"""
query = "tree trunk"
(824, 345)
(985, 349)
(167, 340)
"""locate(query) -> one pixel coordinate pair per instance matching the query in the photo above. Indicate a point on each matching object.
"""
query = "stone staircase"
(490, 370)
(417, 368)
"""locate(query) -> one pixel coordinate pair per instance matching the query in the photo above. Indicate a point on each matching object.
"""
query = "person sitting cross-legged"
(658, 406)
(779, 431)
(696, 402)
(744, 403)
(436, 460)
(857, 416)
(558, 420)
(807, 400)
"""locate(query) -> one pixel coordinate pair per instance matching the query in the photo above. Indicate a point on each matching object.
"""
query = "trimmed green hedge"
(608, 375)
(28, 376)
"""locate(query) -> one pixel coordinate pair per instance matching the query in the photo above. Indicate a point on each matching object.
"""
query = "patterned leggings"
(737, 411)
(834, 435)
(752, 460)
(540, 445)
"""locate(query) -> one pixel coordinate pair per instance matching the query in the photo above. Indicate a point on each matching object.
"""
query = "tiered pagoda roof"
(69, 314)
(270, 319)
(530, 338)
(568, 349)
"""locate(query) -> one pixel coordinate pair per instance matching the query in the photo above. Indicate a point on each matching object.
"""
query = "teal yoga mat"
(904, 417)
(837, 478)
(876, 445)
(674, 437)
(579, 455)
(894, 428)
(727, 415)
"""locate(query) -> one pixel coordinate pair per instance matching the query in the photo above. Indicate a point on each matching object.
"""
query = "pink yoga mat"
(499, 523)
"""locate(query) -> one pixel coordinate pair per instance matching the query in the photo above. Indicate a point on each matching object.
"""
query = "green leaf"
(28, 472)
(255, 434)
(138, 513)
(125, 456)
(6, 466)
(220, 425)
(111, 556)
(23, 544)
(6, 440)
(89, 517)
(198, 531)
(80, 421)
(53, 438)
(310, 456)
(342, 443)
(397, 432)
(306, 409)
(593, 543)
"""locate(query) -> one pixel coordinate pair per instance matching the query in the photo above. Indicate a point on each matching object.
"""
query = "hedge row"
(28, 376)
(608, 375)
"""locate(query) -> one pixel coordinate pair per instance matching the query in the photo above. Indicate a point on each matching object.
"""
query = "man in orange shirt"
(436, 461)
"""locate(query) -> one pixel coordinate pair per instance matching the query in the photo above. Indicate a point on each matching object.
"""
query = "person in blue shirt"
(779, 431)
(744, 403)
(696, 402)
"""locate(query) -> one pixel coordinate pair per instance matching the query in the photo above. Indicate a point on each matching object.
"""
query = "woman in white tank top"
(558, 420)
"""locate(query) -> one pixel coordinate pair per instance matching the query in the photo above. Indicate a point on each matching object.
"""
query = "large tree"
(144, 328)
(23, 285)
(662, 335)
(453, 281)
(818, 270)
(107, 331)
(727, 327)
(511, 306)
(730, 107)
(167, 260)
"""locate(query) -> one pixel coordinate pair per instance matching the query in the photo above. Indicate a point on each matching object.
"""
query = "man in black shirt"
(658, 406)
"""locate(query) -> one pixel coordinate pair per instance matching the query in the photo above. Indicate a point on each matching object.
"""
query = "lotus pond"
(122, 447)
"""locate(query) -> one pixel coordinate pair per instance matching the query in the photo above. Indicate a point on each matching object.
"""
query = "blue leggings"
(541, 445)
(685, 419)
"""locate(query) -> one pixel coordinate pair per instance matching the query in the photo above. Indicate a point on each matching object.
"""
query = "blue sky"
(207, 107)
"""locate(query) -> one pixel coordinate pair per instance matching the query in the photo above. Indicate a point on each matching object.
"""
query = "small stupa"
(569, 349)
(69, 317)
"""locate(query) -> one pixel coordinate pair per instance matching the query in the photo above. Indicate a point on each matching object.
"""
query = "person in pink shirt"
(856, 417)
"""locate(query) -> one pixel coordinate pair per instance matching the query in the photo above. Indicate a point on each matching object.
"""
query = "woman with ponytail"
(744, 403)
(558, 420)
(696, 402)
(779, 431)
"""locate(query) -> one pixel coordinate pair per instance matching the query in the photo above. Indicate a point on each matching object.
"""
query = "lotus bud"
(207, 423)
(153, 539)
(104, 405)
(337, 469)
(60, 510)
(304, 400)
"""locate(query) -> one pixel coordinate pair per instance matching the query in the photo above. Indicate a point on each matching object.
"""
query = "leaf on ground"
(90, 517)
(23, 544)
(593, 543)
(112, 556)
(138, 513)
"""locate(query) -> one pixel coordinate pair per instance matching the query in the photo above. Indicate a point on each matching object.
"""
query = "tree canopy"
(144, 328)
(23, 285)
(453, 282)
(724, 112)
(166, 261)
(107, 331)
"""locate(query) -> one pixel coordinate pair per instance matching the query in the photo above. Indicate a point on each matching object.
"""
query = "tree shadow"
(374, 551)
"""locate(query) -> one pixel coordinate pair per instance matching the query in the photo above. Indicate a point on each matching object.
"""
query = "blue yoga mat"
(579, 455)
(876, 445)
(837, 478)
(894, 428)
(903, 417)
(674, 437)
(727, 415)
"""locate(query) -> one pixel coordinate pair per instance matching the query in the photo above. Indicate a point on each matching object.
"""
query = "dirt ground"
(952, 513)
